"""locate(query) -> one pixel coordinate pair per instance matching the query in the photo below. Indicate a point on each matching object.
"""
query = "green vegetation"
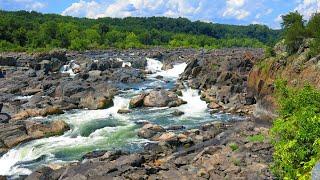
(29, 31)
(256, 138)
(296, 133)
(236, 162)
(233, 146)
(296, 30)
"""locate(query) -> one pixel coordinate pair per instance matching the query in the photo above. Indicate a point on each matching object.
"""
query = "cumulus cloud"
(308, 7)
(83, 8)
(125, 8)
(235, 9)
(225, 11)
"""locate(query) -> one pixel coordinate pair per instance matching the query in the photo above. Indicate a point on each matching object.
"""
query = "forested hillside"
(22, 30)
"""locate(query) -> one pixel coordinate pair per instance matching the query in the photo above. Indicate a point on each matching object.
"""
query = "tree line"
(27, 31)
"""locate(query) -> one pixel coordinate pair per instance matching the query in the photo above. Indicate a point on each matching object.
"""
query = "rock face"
(162, 98)
(297, 69)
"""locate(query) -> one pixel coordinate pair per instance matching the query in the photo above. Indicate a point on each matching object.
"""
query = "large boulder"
(40, 130)
(162, 98)
(137, 101)
(150, 130)
(95, 101)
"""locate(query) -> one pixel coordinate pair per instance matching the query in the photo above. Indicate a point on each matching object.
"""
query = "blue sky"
(218, 11)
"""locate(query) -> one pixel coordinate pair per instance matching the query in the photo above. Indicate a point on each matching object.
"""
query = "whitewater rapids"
(106, 129)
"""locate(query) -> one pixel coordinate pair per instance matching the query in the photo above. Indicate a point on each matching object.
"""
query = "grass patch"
(256, 138)
(233, 146)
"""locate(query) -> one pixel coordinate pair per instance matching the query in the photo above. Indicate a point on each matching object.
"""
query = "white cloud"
(82, 8)
(30, 4)
(235, 9)
(308, 7)
(125, 8)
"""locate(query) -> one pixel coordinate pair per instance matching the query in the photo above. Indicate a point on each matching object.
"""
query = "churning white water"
(195, 106)
(12, 162)
(69, 68)
(153, 65)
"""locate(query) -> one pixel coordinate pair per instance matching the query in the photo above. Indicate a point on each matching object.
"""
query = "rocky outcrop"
(24, 114)
(222, 76)
(297, 70)
(14, 133)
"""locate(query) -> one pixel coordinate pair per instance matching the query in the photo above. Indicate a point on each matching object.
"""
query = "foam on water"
(195, 106)
(153, 65)
(23, 97)
(68, 68)
(174, 72)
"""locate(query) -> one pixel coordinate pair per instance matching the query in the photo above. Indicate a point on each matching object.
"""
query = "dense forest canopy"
(22, 30)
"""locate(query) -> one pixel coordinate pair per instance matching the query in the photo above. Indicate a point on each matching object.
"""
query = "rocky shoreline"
(214, 151)
(46, 84)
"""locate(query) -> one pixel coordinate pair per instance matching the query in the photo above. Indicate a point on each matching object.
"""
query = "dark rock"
(177, 113)
(8, 60)
(176, 127)
(124, 111)
(94, 154)
(4, 118)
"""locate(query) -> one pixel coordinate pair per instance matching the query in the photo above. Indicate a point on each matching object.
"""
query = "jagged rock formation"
(222, 75)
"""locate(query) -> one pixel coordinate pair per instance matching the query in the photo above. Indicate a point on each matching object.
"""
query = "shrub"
(256, 138)
(234, 146)
(296, 133)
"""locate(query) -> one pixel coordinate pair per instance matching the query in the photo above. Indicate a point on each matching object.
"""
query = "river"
(106, 129)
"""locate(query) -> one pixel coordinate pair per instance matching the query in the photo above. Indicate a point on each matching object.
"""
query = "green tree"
(313, 29)
(132, 41)
(294, 31)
